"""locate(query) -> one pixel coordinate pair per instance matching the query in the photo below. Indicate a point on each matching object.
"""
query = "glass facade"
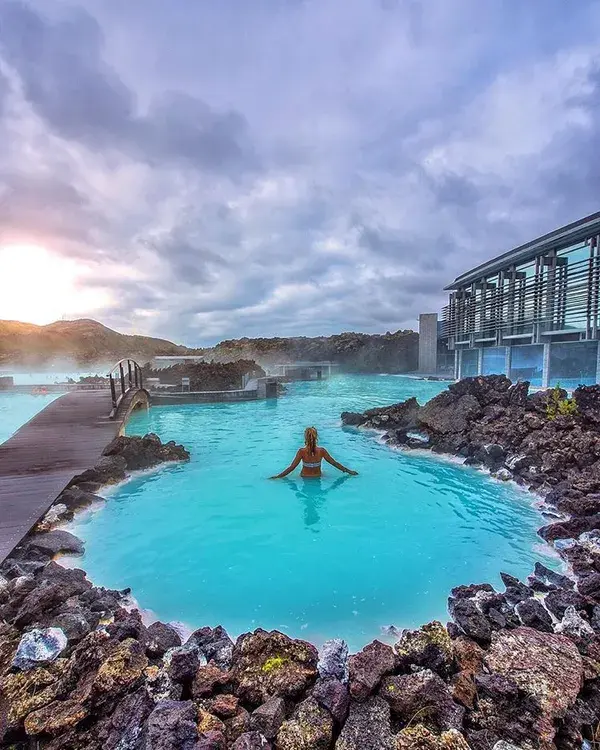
(573, 364)
(527, 363)
(494, 361)
(469, 363)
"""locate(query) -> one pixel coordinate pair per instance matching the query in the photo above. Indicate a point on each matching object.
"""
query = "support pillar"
(480, 361)
(546, 366)
(507, 361)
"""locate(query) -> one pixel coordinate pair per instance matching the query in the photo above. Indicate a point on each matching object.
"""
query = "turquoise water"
(18, 408)
(215, 542)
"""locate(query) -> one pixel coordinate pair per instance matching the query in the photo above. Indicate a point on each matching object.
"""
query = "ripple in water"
(215, 542)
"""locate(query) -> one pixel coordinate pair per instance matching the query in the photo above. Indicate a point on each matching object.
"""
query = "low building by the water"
(531, 313)
(304, 370)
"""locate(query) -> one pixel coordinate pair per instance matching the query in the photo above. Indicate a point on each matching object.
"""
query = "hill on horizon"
(86, 342)
(82, 342)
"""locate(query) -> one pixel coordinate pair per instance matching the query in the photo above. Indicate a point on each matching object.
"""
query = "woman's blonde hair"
(310, 439)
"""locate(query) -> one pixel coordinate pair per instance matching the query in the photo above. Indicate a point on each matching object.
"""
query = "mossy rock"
(430, 646)
(310, 728)
(24, 692)
(419, 737)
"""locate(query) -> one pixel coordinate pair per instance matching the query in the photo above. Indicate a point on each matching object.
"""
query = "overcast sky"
(216, 169)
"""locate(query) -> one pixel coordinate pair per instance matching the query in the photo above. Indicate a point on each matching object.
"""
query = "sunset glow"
(38, 286)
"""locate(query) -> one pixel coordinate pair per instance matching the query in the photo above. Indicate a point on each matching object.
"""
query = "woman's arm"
(291, 467)
(337, 465)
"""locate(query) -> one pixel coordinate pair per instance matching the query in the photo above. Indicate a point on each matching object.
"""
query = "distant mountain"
(80, 342)
(354, 352)
(87, 342)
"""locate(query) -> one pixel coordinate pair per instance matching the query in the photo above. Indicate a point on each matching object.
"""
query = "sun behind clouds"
(39, 286)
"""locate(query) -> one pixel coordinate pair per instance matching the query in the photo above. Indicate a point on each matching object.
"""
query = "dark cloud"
(47, 207)
(243, 172)
(67, 81)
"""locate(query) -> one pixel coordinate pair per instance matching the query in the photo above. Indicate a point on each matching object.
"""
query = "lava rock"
(215, 644)
(172, 726)
(367, 727)
(55, 542)
(429, 646)
(470, 619)
(160, 638)
(251, 741)
(333, 695)
(367, 667)
(268, 718)
(267, 664)
(533, 614)
(145, 452)
(333, 659)
(424, 694)
(418, 737)
(309, 728)
(183, 662)
(545, 666)
(224, 706)
(448, 414)
(558, 602)
(207, 680)
(39, 646)
(212, 740)
(55, 718)
(574, 626)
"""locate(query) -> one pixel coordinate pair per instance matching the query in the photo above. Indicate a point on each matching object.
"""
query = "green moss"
(391, 688)
(274, 662)
(560, 407)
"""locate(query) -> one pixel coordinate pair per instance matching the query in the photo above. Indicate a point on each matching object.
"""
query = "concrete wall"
(428, 343)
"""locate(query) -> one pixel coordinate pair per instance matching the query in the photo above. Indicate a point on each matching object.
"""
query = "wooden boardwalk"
(39, 460)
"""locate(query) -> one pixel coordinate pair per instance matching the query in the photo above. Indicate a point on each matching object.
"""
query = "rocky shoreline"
(518, 669)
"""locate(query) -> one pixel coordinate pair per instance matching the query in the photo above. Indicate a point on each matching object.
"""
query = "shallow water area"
(18, 408)
(215, 541)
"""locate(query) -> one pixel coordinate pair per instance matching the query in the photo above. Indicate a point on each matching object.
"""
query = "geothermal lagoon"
(216, 542)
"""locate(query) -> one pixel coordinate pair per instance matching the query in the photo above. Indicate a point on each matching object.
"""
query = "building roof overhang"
(562, 237)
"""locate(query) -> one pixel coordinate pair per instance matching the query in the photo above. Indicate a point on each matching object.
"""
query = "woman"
(311, 456)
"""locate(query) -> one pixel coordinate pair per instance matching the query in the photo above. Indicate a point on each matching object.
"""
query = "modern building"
(532, 313)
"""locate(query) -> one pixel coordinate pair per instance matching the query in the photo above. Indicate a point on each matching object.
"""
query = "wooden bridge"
(64, 439)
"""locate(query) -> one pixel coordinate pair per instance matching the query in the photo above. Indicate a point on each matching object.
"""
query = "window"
(527, 363)
(573, 364)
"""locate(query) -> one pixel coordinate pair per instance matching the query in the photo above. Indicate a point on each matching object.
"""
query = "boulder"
(429, 646)
(269, 717)
(333, 659)
(39, 646)
(367, 727)
(55, 542)
(333, 695)
(448, 414)
(120, 672)
(207, 680)
(171, 726)
(309, 728)
(467, 615)
(145, 452)
(468, 654)
(74, 498)
(160, 638)
(251, 741)
(267, 664)
(423, 694)
(55, 718)
(25, 692)
(224, 706)
(353, 419)
(551, 577)
(109, 470)
(545, 666)
(183, 662)
(212, 740)
(574, 626)
(418, 737)
(560, 600)
(570, 529)
(533, 614)
(367, 667)
(128, 720)
(587, 398)
(215, 644)
(237, 725)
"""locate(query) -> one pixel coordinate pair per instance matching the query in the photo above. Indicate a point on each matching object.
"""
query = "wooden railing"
(124, 376)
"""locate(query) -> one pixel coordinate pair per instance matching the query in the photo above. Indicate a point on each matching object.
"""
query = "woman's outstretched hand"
(352, 473)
